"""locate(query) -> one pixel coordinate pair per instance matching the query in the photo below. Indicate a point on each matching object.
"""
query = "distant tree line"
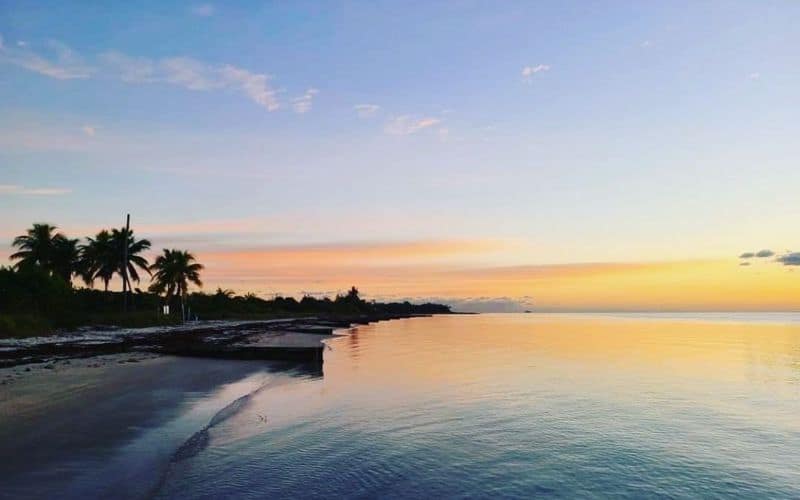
(38, 292)
(225, 304)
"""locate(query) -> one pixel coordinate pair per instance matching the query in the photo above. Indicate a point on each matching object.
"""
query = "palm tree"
(127, 270)
(36, 247)
(66, 258)
(99, 259)
(172, 272)
(225, 294)
(42, 246)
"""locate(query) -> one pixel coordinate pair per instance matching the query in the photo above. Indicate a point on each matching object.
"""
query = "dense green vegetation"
(39, 293)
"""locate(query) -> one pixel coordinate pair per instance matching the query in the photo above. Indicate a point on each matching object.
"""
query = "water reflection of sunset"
(678, 352)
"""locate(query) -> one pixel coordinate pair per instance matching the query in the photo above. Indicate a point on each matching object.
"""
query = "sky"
(493, 155)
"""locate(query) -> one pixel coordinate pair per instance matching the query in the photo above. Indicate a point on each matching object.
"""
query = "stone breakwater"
(288, 339)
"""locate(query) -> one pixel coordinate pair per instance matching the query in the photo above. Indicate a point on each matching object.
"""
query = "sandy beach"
(70, 423)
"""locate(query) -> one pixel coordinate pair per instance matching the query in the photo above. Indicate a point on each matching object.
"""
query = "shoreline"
(129, 402)
(130, 414)
(287, 339)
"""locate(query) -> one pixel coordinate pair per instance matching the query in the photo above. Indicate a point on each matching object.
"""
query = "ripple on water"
(502, 406)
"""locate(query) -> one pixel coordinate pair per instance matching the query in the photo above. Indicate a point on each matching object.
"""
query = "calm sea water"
(518, 406)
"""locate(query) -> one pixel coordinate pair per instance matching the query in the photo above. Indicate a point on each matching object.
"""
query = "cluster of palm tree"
(100, 257)
(108, 253)
(105, 255)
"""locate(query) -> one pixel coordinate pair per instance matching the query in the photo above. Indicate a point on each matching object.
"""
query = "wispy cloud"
(203, 10)
(406, 125)
(56, 60)
(191, 74)
(61, 62)
(366, 110)
(16, 190)
(361, 252)
(127, 68)
(528, 72)
(303, 103)
(254, 85)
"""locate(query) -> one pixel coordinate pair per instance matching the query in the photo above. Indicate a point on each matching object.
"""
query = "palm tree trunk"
(125, 284)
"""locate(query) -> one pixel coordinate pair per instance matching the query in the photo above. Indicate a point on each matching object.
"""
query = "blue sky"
(617, 131)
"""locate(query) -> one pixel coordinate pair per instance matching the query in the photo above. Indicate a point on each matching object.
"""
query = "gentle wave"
(200, 440)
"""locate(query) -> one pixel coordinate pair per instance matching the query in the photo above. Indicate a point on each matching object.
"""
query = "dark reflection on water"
(521, 405)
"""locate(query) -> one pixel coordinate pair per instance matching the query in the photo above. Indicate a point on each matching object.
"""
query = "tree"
(32, 290)
(66, 258)
(351, 302)
(226, 294)
(36, 247)
(172, 272)
(53, 252)
(99, 259)
(120, 238)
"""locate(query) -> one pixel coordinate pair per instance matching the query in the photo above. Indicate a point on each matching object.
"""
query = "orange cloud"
(352, 253)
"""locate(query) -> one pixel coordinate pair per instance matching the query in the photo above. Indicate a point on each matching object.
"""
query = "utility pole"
(125, 284)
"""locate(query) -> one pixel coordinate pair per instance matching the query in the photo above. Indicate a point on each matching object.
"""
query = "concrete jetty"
(285, 339)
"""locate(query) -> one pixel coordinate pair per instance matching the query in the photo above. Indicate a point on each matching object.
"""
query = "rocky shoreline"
(289, 339)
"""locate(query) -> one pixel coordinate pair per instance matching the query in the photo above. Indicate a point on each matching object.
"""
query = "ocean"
(636, 405)
(487, 406)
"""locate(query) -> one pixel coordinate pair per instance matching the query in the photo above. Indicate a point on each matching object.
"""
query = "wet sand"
(67, 422)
